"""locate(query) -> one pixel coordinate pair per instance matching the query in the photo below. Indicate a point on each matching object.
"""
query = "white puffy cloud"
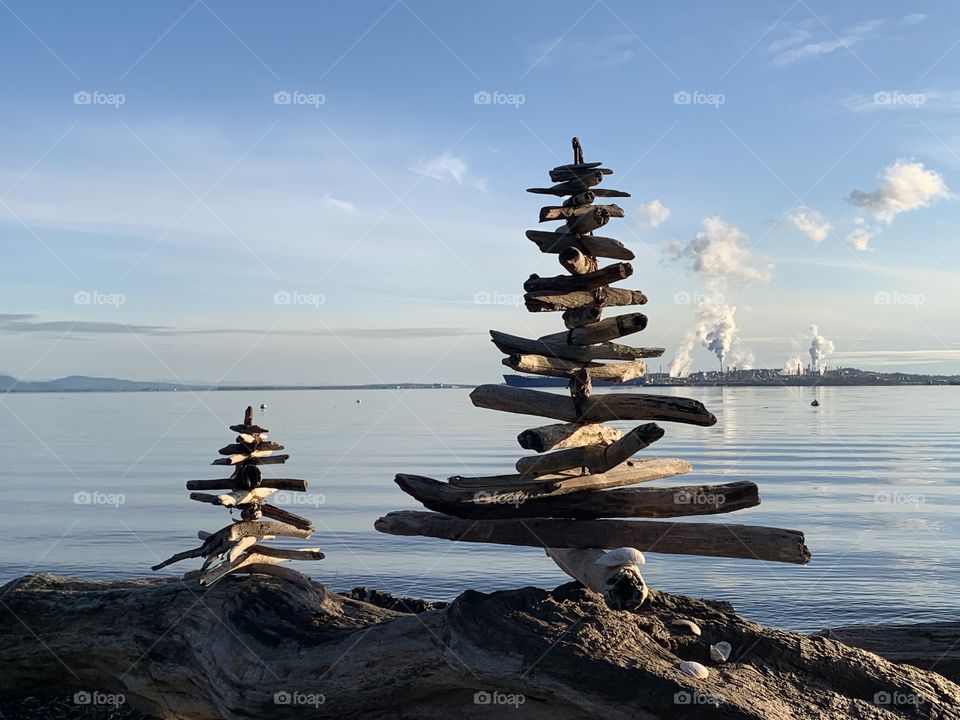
(652, 214)
(721, 252)
(904, 186)
(859, 238)
(810, 222)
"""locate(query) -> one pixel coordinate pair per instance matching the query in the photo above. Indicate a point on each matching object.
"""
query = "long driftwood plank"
(576, 174)
(555, 212)
(243, 448)
(556, 242)
(567, 435)
(289, 484)
(569, 187)
(554, 367)
(588, 222)
(643, 502)
(586, 281)
(747, 542)
(596, 408)
(513, 345)
(254, 459)
(221, 540)
(602, 331)
(550, 301)
(596, 458)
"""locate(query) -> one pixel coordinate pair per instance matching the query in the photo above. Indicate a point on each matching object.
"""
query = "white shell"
(621, 556)
(694, 669)
(688, 625)
(720, 652)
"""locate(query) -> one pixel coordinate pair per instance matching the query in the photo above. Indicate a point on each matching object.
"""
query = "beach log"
(745, 542)
(244, 448)
(601, 331)
(265, 457)
(220, 541)
(573, 212)
(579, 175)
(577, 262)
(597, 408)
(578, 317)
(614, 575)
(567, 435)
(640, 502)
(245, 497)
(285, 516)
(555, 367)
(249, 429)
(588, 222)
(549, 301)
(584, 198)
(555, 242)
(573, 283)
(289, 484)
(513, 345)
(595, 458)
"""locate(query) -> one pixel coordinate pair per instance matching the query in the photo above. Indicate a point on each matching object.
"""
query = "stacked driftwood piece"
(238, 547)
(581, 458)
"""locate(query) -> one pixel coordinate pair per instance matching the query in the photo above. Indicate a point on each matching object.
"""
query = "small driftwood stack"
(238, 547)
(561, 499)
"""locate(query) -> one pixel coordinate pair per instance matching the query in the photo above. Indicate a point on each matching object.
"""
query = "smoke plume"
(820, 348)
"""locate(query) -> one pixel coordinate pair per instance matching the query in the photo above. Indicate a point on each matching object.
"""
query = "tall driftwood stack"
(238, 547)
(560, 498)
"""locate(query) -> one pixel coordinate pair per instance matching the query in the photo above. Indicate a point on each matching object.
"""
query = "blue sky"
(156, 230)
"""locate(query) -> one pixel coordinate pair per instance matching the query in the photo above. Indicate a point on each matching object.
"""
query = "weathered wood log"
(576, 167)
(584, 198)
(556, 242)
(588, 222)
(567, 435)
(289, 484)
(285, 516)
(249, 429)
(245, 497)
(209, 576)
(244, 448)
(554, 367)
(254, 458)
(639, 502)
(597, 408)
(578, 174)
(933, 646)
(578, 317)
(570, 187)
(609, 329)
(577, 262)
(607, 193)
(513, 345)
(248, 439)
(547, 301)
(288, 554)
(219, 541)
(745, 542)
(595, 458)
(573, 212)
(615, 574)
(573, 283)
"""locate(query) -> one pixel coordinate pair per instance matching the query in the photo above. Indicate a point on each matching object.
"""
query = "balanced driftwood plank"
(580, 199)
(555, 367)
(513, 345)
(645, 502)
(289, 484)
(596, 408)
(254, 459)
(243, 448)
(563, 212)
(220, 541)
(249, 429)
(595, 458)
(578, 317)
(748, 542)
(586, 281)
(285, 516)
(570, 187)
(577, 174)
(602, 331)
(588, 222)
(555, 242)
(577, 262)
(548, 301)
(567, 435)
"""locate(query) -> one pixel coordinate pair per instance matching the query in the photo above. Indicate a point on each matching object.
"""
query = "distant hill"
(83, 383)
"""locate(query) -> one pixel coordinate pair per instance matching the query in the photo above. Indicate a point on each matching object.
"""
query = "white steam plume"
(820, 348)
(793, 366)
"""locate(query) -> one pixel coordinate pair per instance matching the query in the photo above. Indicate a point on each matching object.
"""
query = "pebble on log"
(573, 283)
(747, 542)
(555, 242)
(596, 408)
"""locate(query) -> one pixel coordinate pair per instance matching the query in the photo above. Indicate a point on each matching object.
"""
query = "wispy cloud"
(344, 205)
(447, 167)
(810, 222)
(590, 54)
(811, 39)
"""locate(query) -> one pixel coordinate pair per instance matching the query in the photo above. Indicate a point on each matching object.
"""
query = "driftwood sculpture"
(238, 547)
(560, 499)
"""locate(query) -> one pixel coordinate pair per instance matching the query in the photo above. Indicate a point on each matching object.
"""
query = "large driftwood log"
(564, 212)
(264, 457)
(602, 331)
(577, 262)
(513, 345)
(597, 408)
(222, 540)
(595, 458)
(576, 174)
(550, 301)
(289, 484)
(258, 647)
(745, 542)
(580, 199)
(556, 242)
(640, 502)
(554, 367)
(567, 435)
(588, 222)
(574, 283)
(244, 448)
(585, 315)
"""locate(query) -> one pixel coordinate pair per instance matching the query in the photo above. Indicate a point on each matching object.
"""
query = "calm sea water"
(872, 476)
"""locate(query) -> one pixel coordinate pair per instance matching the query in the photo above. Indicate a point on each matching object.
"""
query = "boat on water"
(538, 381)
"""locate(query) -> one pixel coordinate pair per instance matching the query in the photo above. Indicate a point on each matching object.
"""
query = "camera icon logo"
(82, 297)
(682, 97)
(482, 697)
(482, 97)
(282, 97)
(282, 698)
(82, 98)
(82, 498)
(281, 297)
(82, 698)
